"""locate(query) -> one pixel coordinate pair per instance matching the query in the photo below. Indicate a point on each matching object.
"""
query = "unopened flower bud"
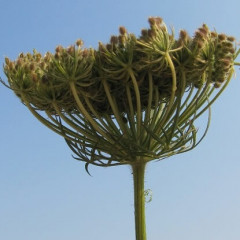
(21, 55)
(231, 50)
(121, 39)
(227, 44)
(59, 48)
(101, 46)
(183, 36)
(29, 55)
(225, 62)
(200, 43)
(158, 21)
(57, 55)
(19, 62)
(221, 79)
(151, 21)
(11, 66)
(42, 65)
(122, 30)
(231, 39)
(199, 35)
(79, 42)
(222, 37)
(217, 84)
(44, 79)
(151, 33)
(109, 47)
(7, 60)
(47, 57)
(32, 66)
(144, 32)
(203, 30)
(70, 50)
(155, 21)
(213, 34)
(85, 52)
(34, 77)
(114, 40)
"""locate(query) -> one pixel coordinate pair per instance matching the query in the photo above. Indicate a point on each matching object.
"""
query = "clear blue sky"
(45, 194)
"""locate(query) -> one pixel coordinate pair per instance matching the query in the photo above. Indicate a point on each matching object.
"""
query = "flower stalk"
(138, 171)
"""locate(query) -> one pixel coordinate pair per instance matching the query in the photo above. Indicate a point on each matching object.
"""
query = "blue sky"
(45, 194)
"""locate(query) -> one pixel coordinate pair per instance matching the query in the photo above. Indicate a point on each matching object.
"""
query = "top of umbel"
(42, 80)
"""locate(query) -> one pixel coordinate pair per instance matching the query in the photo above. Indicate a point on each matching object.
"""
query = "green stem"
(139, 200)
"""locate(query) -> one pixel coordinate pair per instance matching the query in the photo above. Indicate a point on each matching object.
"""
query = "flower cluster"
(44, 81)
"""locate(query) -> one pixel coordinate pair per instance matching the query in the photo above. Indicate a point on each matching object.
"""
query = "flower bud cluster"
(224, 59)
(44, 81)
